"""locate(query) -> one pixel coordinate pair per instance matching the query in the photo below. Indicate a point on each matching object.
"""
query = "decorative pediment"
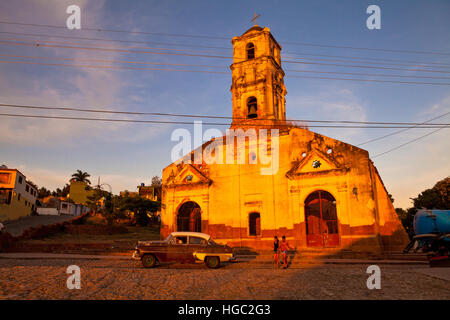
(315, 162)
(187, 175)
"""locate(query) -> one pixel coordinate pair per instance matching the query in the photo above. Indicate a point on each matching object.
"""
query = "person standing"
(276, 244)
(284, 246)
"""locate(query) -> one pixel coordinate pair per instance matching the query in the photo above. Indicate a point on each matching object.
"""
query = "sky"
(124, 155)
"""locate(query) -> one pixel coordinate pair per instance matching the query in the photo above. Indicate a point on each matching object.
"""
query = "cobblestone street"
(126, 279)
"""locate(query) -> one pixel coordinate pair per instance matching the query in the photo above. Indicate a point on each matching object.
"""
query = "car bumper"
(222, 256)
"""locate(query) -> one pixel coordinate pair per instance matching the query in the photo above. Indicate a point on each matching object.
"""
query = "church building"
(317, 191)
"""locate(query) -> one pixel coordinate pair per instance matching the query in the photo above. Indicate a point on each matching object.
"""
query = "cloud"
(437, 108)
(64, 86)
(415, 167)
(330, 103)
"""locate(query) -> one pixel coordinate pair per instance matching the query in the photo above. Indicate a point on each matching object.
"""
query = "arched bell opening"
(250, 51)
(252, 108)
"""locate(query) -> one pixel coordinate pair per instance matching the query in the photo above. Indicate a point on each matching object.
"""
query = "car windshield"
(211, 241)
(169, 237)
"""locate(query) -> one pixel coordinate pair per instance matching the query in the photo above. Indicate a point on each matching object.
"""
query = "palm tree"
(81, 176)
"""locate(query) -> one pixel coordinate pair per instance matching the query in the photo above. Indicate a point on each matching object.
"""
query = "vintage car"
(185, 247)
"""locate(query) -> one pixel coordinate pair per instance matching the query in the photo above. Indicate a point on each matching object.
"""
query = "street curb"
(53, 256)
(325, 261)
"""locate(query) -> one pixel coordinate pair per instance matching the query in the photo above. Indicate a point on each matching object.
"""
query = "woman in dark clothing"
(276, 243)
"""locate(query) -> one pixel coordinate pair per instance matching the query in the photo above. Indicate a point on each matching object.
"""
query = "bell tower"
(257, 80)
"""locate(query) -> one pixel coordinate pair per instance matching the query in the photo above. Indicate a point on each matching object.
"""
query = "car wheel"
(148, 261)
(212, 262)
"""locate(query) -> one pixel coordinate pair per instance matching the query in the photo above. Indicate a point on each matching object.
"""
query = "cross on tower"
(254, 19)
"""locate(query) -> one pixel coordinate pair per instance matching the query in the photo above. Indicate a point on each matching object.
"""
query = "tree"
(407, 219)
(434, 198)
(43, 192)
(94, 200)
(156, 181)
(143, 208)
(65, 190)
(31, 183)
(57, 192)
(157, 184)
(81, 176)
(110, 209)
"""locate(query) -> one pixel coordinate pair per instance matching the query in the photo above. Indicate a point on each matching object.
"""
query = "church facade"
(317, 191)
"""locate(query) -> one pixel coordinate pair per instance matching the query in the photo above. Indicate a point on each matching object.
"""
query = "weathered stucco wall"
(229, 193)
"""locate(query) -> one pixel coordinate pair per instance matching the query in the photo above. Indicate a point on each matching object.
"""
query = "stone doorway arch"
(321, 220)
(189, 217)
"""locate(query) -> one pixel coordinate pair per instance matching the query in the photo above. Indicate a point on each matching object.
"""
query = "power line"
(424, 64)
(366, 74)
(119, 31)
(372, 80)
(362, 66)
(112, 67)
(403, 124)
(366, 49)
(400, 131)
(98, 29)
(188, 122)
(215, 72)
(211, 66)
(112, 61)
(365, 58)
(406, 143)
(116, 40)
(369, 62)
(40, 44)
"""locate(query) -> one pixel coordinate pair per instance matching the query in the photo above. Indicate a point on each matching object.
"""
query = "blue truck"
(432, 235)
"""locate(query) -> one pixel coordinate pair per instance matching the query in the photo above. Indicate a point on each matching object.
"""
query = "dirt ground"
(16, 227)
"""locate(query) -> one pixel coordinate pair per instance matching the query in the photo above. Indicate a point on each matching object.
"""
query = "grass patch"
(134, 234)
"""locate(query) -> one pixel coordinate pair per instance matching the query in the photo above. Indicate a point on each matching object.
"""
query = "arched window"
(250, 51)
(252, 107)
(254, 224)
